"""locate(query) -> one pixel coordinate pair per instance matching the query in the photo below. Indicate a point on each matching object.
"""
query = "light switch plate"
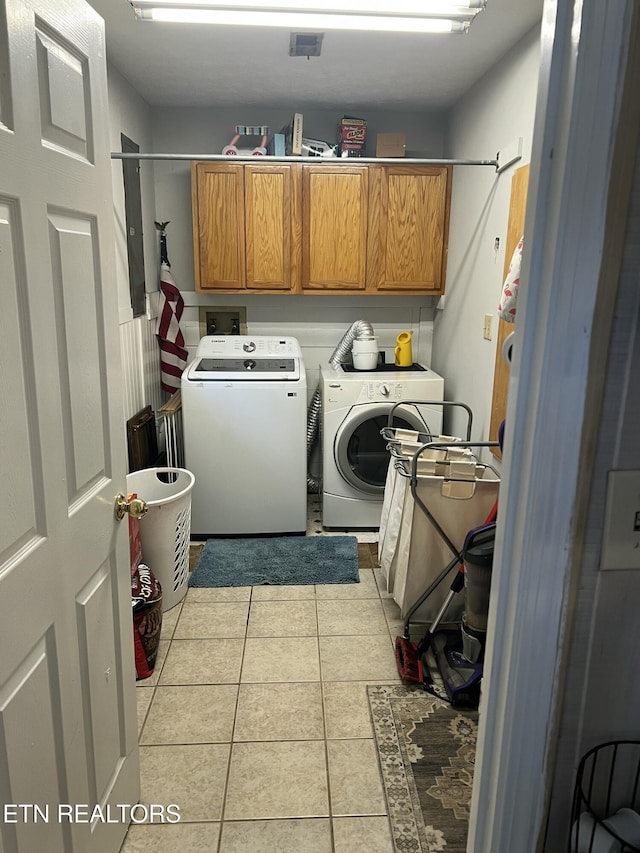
(621, 535)
(487, 327)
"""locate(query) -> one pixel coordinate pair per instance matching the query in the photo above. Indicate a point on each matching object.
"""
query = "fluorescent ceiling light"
(292, 20)
(420, 16)
(367, 7)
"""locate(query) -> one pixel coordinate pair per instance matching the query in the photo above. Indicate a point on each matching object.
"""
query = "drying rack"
(389, 432)
(428, 465)
(170, 415)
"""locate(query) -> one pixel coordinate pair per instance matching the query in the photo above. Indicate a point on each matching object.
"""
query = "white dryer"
(244, 406)
(355, 407)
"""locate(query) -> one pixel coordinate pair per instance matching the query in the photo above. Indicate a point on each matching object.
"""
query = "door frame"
(566, 300)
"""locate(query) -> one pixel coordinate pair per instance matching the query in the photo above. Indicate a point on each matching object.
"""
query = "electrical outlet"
(488, 327)
(621, 534)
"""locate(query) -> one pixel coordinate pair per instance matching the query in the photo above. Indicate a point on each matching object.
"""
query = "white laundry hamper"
(165, 530)
(397, 493)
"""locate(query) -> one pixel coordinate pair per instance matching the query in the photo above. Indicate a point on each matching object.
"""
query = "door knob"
(136, 507)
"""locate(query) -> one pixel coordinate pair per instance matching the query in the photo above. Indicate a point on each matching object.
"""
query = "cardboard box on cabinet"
(391, 145)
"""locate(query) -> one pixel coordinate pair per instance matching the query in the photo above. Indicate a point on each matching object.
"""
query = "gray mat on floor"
(277, 561)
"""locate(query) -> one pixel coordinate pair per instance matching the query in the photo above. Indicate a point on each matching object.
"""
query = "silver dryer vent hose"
(313, 417)
(360, 329)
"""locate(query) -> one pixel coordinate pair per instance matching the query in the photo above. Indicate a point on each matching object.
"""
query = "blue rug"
(277, 561)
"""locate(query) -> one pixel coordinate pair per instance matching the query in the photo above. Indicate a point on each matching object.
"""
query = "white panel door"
(67, 681)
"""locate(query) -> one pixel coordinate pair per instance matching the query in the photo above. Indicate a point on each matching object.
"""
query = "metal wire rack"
(170, 417)
(606, 803)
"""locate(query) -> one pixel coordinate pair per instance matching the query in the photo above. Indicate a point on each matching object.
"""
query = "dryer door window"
(361, 452)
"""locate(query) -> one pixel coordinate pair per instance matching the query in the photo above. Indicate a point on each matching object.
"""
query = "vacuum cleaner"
(458, 654)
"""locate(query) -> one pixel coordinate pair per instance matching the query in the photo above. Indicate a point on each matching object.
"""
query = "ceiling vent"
(305, 44)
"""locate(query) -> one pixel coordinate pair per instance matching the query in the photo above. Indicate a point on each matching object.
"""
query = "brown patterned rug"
(427, 751)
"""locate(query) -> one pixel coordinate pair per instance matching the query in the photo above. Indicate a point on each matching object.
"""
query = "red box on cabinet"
(352, 135)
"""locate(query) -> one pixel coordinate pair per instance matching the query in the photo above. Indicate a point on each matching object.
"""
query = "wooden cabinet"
(330, 227)
(335, 215)
(244, 226)
(409, 228)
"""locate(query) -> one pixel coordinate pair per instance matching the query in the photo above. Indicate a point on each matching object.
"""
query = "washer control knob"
(384, 390)
(249, 364)
(249, 346)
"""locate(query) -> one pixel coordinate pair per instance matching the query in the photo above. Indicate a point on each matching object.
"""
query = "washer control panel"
(227, 358)
(239, 365)
(238, 346)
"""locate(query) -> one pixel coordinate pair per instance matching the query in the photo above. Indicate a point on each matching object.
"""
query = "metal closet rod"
(122, 155)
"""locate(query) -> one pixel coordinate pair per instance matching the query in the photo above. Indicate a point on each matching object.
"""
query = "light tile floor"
(256, 721)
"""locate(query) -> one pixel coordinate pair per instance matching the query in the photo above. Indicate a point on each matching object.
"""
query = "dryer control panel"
(387, 390)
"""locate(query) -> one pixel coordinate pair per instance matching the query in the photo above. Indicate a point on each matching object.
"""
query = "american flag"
(173, 355)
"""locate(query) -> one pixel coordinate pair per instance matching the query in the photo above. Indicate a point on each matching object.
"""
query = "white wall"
(130, 114)
(317, 321)
(494, 113)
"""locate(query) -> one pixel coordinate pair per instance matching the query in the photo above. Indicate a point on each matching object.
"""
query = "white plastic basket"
(166, 528)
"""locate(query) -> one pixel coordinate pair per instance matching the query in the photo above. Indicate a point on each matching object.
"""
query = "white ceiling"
(208, 66)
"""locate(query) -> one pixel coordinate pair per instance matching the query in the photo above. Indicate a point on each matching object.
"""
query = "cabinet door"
(218, 226)
(335, 201)
(270, 206)
(413, 228)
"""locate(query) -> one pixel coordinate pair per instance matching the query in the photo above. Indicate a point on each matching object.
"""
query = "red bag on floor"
(146, 595)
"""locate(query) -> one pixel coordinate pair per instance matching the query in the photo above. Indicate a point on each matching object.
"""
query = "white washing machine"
(355, 407)
(244, 407)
